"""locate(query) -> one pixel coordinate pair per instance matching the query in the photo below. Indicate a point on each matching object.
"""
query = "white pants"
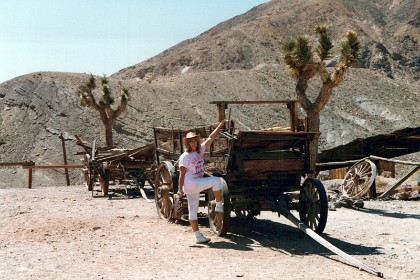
(193, 188)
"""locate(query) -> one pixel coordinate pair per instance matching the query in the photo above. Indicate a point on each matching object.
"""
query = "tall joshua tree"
(107, 114)
(306, 63)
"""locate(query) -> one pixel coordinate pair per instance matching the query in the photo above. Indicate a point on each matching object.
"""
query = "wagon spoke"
(359, 179)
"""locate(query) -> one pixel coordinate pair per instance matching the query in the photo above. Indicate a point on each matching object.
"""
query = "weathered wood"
(66, 171)
(387, 166)
(29, 174)
(338, 163)
(293, 116)
(329, 246)
(30, 178)
(257, 102)
(24, 163)
(81, 143)
(338, 173)
(51, 166)
(276, 154)
(272, 165)
(394, 160)
(411, 172)
(221, 113)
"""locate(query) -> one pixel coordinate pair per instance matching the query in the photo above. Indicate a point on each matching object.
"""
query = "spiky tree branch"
(298, 54)
(104, 105)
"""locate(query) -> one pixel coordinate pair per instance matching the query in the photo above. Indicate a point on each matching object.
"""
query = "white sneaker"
(219, 208)
(202, 239)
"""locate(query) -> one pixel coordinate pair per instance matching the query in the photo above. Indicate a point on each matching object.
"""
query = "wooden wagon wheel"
(151, 175)
(164, 190)
(87, 172)
(104, 179)
(313, 205)
(359, 179)
(219, 222)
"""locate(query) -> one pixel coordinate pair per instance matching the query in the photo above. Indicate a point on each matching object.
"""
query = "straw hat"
(191, 135)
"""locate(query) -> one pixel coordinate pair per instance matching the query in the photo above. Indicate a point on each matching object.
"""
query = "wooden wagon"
(105, 165)
(261, 170)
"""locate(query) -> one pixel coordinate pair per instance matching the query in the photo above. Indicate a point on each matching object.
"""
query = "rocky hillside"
(237, 60)
(388, 29)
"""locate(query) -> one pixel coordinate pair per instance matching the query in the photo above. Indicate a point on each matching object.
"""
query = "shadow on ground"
(248, 234)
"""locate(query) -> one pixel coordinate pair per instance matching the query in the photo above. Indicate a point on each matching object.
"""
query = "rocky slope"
(236, 60)
(388, 30)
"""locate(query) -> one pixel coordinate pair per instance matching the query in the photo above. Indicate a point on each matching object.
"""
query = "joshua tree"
(103, 106)
(305, 63)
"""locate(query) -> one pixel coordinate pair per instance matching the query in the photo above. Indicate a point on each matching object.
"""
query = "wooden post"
(386, 166)
(338, 173)
(31, 163)
(221, 114)
(63, 145)
(293, 116)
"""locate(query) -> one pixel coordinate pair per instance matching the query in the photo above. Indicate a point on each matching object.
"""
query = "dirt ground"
(66, 233)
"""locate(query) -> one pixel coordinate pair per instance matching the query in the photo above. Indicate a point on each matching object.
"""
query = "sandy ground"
(65, 233)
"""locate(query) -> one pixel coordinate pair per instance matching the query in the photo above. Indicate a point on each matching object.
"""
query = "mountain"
(239, 59)
(388, 31)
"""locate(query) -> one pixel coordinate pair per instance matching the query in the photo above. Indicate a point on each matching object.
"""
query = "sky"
(101, 37)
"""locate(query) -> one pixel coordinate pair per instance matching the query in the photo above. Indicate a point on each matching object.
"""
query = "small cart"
(102, 165)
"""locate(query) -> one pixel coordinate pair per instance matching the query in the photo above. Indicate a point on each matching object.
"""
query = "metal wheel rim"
(164, 193)
(219, 222)
(314, 204)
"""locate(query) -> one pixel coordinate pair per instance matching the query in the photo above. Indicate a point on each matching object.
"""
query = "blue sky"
(100, 37)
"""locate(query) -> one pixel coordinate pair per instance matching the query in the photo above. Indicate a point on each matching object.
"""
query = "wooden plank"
(24, 163)
(52, 166)
(388, 166)
(256, 102)
(394, 160)
(411, 172)
(338, 173)
(81, 143)
(253, 155)
(328, 245)
(270, 165)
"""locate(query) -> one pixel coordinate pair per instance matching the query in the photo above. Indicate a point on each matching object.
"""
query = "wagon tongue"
(283, 210)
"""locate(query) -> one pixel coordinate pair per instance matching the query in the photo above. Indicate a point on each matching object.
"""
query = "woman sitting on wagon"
(191, 180)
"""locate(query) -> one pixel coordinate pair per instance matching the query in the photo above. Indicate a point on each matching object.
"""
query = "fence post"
(30, 163)
(65, 158)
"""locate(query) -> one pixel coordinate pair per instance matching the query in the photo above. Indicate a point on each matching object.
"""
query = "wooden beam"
(394, 160)
(331, 247)
(51, 166)
(15, 163)
(221, 113)
(66, 171)
(256, 102)
(81, 143)
(391, 189)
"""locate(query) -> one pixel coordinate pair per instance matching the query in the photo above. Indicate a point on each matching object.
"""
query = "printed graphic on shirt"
(198, 164)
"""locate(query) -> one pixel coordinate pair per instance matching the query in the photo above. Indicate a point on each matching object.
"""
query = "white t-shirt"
(194, 162)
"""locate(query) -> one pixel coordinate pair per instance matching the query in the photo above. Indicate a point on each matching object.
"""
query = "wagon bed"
(260, 170)
(268, 158)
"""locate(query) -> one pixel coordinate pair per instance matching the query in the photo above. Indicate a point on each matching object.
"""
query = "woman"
(191, 180)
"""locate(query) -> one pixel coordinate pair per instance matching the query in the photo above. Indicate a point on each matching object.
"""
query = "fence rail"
(30, 165)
